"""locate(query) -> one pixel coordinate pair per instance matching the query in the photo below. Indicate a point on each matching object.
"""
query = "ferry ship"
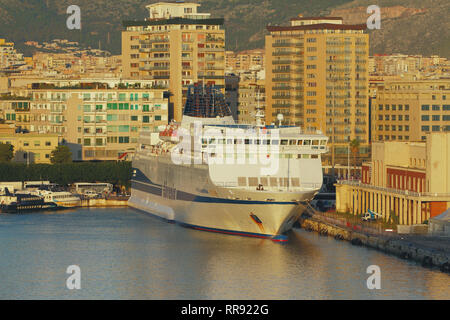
(211, 174)
(60, 198)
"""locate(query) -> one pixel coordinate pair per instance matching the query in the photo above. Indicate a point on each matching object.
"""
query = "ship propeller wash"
(211, 174)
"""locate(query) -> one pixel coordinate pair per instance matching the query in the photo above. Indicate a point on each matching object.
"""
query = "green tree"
(61, 154)
(354, 147)
(6, 152)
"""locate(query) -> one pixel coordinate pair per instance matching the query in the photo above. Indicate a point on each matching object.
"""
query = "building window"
(436, 128)
(436, 117)
(436, 107)
(425, 128)
(425, 107)
(425, 118)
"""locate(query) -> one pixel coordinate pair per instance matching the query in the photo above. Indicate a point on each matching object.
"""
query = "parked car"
(90, 194)
(370, 216)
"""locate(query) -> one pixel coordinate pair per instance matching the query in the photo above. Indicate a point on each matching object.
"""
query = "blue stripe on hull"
(185, 196)
(280, 238)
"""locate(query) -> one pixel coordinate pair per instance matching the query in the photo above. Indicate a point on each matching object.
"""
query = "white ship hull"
(194, 201)
(229, 218)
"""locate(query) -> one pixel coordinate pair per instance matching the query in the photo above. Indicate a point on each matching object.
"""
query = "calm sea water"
(127, 254)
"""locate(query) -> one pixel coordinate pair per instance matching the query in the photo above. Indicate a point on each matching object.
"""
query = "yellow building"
(31, 147)
(406, 182)
(408, 110)
(251, 100)
(244, 61)
(16, 110)
(176, 46)
(8, 55)
(317, 78)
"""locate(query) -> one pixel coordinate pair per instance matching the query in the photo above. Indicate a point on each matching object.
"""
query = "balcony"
(281, 88)
(211, 49)
(281, 79)
(283, 97)
(281, 62)
(283, 53)
(281, 70)
(281, 44)
(150, 41)
(159, 49)
(206, 76)
(213, 39)
(161, 77)
(281, 105)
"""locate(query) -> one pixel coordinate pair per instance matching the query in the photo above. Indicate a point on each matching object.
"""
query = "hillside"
(408, 26)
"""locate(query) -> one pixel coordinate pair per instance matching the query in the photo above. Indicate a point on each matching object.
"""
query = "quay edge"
(398, 247)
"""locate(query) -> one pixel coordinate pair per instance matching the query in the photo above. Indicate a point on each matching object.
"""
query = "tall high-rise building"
(176, 46)
(317, 78)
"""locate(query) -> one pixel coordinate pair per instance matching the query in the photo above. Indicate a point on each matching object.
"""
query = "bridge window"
(273, 182)
(264, 181)
(242, 181)
(284, 142)
(275, 142)
(300, 142)
(253, 182)
(295, 182)
(307, 142)
(292, 142)
(315, 142)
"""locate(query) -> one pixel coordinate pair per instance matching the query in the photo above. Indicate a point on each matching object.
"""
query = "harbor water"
(127, 254)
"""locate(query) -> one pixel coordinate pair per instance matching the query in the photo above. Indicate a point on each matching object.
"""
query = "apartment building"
(406, 182)
(96, 122)
(176, 47)
(244, 61)
(408, 110)
(317, 78)
(9, 57)
(251, 101)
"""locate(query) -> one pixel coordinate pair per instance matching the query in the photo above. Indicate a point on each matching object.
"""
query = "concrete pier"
(429, 251)
(105, 203)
